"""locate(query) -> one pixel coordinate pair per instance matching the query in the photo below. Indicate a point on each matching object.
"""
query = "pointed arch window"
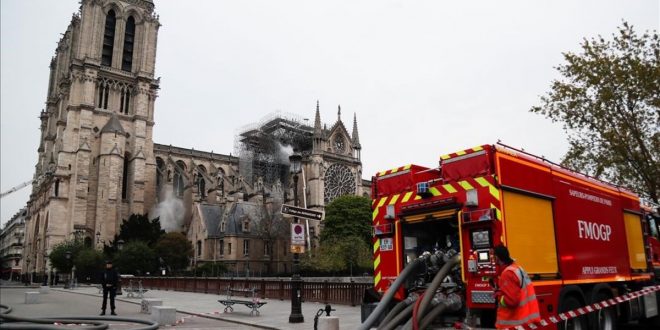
(124, 182)
(125, 100)
(160, 173)
(57, 187)
(179, 178)
(201, 186)
(108, 38)
(201, 183)
(103, 87)
(129, 39)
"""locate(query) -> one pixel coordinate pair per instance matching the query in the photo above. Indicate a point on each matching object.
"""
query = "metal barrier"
(350, 293)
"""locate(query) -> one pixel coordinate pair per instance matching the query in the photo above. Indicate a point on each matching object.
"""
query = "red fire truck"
(580, 239)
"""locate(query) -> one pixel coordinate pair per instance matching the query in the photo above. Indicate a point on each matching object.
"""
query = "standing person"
(109, 282)
(514, 293)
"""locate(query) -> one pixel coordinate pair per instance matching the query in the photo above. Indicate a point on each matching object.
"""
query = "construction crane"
(15, 189)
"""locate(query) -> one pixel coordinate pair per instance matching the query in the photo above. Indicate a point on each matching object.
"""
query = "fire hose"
(399, 307)
(406, 313)
(390, 293)
(48, 323)
(430, 291)
(422, 304)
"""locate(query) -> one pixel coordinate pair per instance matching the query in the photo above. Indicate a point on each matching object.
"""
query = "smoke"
(283, 153)
(170, 211)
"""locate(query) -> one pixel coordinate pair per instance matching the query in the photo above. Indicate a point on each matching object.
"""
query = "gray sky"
(424, 77)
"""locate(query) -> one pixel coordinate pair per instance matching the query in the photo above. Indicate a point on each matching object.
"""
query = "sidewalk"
(274, 315)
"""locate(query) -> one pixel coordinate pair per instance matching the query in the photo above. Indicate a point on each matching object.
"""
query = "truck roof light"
(389, 212)
(472, 198)
(422, 188)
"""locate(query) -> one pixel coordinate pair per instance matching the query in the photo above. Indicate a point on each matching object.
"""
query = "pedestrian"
(514, 293)
(109, 282)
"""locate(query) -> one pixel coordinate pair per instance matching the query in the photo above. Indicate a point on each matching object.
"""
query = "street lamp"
(27, 271)
(120, 244)
(45, 279)
(296, 282)
(67, 255)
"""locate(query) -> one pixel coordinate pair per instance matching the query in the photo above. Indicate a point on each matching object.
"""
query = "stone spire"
(113, 126)
(338, 112)
(355, 136)
(317, 121)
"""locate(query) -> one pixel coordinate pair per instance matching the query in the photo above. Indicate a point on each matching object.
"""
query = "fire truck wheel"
(578, 323)
(605, 319)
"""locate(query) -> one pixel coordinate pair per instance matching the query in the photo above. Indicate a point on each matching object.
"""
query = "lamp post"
(296, 282)
(27, 271)
(45, 279)
(67, 255)
(120, 244)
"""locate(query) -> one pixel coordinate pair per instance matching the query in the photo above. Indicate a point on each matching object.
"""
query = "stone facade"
(233, 217)
(98, 163)
(11, 245)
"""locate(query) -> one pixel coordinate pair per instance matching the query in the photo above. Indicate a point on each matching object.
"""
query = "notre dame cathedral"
(98, 163)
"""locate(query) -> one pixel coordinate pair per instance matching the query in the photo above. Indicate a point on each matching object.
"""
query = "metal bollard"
(326, 322)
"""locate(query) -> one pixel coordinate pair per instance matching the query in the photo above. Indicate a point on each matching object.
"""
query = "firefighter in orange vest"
(514, 293)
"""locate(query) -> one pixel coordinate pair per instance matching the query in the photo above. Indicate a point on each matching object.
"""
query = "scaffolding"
(263, 148)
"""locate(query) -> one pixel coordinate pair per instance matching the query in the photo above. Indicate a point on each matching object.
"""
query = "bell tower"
(96, 160)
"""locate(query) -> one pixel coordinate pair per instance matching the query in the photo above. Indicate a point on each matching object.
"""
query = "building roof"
(240, 211)
(113, 126)
(210, 216)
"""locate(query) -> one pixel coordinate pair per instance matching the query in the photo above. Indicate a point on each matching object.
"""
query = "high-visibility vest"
(527, 309)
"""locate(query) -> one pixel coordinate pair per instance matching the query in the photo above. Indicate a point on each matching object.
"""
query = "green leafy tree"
(345, 239)
(136, 258)
(347, 216)
(175, 251)
(138, 227)
(89, 262)
(608, 99)
(349, 255)
(58, 257)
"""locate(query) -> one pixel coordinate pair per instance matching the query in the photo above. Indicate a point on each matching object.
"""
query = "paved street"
(59, 303)
(198, 310)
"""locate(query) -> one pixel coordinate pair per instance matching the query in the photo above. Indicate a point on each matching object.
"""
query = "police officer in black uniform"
(109, 282)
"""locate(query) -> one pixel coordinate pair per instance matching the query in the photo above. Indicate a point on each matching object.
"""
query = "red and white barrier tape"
(562, 317)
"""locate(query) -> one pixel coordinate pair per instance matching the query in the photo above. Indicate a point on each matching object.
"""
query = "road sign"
(297, 234)
(302, 212)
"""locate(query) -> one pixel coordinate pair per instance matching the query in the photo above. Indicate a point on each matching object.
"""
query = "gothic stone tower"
(96, 160)
(334, 167)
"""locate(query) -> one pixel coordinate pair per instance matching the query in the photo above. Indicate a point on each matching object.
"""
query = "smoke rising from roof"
(170, 211)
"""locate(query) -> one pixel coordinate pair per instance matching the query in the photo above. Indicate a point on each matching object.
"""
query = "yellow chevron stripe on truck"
(491, 188)
(375, 212)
